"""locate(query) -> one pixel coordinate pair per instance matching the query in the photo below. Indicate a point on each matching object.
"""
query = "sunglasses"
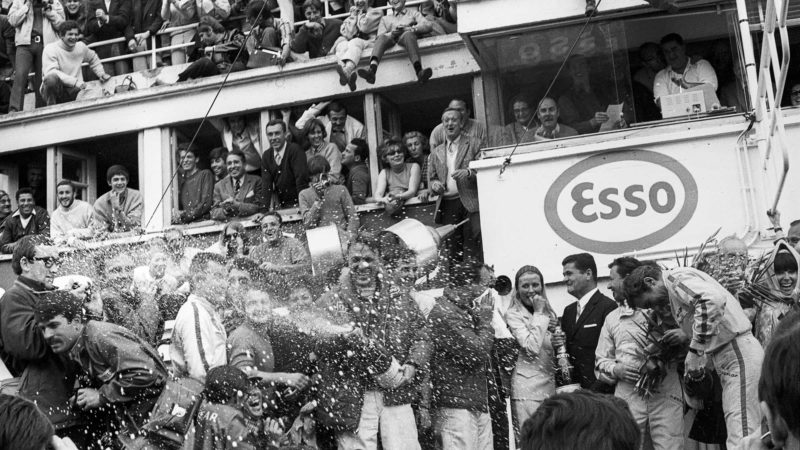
(394, 152)
(48, 262)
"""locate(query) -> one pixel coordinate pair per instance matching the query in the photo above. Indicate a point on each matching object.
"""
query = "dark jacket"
(47, 378)
(317, 46)
(145, 16)
(127, 371)
(219, 427)
(225, 51)
(582, 337)
(14, 231)
(394, 324)
(461, 361)
(119, 15)
(249, 197)
(288, 179)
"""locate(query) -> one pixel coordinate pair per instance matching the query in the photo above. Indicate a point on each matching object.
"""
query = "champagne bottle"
(564, 369)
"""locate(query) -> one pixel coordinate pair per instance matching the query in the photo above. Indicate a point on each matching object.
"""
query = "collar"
(71, 207)
(31, 285)
(283, 149)
(203, 302)
(400, 12)
(17, 214)
(233, 180)
(454, 141)
(80, 344)
(626, 311)
(586, 297)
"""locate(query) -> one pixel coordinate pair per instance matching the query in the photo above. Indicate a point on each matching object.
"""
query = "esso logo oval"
(620, 202)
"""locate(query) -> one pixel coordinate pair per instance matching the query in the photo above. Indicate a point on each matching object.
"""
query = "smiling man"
(239, 193)
(279, 253)
(284, 168)
(196, 188)
(121, 208)
(28, 220)
(548, 118)
(681, 73)
(71, 220)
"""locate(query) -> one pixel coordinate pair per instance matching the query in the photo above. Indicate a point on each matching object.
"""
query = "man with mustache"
(71, 220)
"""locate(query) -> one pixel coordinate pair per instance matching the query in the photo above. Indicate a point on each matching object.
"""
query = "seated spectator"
(581, 419)
(522, 129)
(218, 157)
(233, 241)
(442, 13)
(326, 203)
(548, 118)
(318, 36)
(469, 127)
(28, 220)
(177, 13)
(358, 182)
(319, 146)
(5, 207)
(241, 133)
(359, 30)
(195, 187)
(127, 373)
(216, 51)
(121, 208)
(581, 107)
(284, 170)
(71, 221)
(681, 74)
(340, 127)
(399, 180)
(280, 253)
(239, 193)
(418, 151)
(61, 62)
(268, 32)
(402, 28)
(145, 22)
(108, 21)
(794, 94)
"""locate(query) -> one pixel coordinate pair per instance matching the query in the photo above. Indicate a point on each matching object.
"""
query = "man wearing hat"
(121, 208)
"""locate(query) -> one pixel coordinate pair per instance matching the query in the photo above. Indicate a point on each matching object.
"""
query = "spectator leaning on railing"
(319, 35)
(215, 51)
(145, 22)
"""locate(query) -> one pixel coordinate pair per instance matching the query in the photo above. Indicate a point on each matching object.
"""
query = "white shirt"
(699, 72)
(451, 150)
(190, 356)
(583, 301)
(279, 155)
(74, 221)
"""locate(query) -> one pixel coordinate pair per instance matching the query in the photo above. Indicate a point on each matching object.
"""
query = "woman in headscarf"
(781, 279)
(531, 319)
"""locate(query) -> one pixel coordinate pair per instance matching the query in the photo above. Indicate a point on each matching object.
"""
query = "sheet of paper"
(614, 116)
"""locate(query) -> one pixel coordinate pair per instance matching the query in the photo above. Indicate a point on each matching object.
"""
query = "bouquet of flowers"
(657, 356)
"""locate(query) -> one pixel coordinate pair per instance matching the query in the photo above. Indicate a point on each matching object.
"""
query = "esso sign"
(620, 202)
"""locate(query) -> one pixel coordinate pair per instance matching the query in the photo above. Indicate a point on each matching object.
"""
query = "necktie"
(237, 186)
(278, 158)
(577, 312)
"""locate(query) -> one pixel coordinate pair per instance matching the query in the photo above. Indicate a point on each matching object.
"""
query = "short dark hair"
(523, 98)
(582, 419)
(362, 148)
(210, 23)
(255, 8)
(312, 4)
(336, 107)
(59, 303)
(318, 164)
(237, 153)
(582, 262)
(68, 25)
(625, 265)
(275, 214)
(224, 383)
(672, 37)
(778, 386)
(25, 190)
(201, 261)
(784, 261)
(218, 153)
(274, 122)
(117, 169)
(22, 425)
(315, 123)
(185, 148)
(26, 248)
(634, 284)
(650, 46)
(69, 183)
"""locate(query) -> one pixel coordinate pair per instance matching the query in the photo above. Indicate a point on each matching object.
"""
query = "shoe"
(591, 7)
(367, 74)
(342, 75)
(351, 82)
(424, 75)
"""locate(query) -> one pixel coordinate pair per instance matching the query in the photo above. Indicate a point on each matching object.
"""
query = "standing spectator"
(62, 61)
(451, 178)
(470, 127)
(652, 63)
(127, 372)
(108, 20)
(284, 170)
(325, 203)
(359, 30)
(399, 181)
(218, 157)
(177, 13)
(219, 10)
(681, 73)
(619, 358)
(36, 22)
(121, 208)
(402, 28)
(71, 221)
(241, 132)
(531, 320)
(583, 319)
(145, 22)
(29, 219)
(216, 51)
(462, 332)
(549, 127)
(719, 331)
(358, 182)
(318, 36)
(418, 152)
(76, 10)
(318, 145)
(198, 337)
(279, 253)
(268, 31)
(340, 127)
(195, 186)
(239, 193)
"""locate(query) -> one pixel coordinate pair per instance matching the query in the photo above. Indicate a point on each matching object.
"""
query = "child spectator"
(319, 146)
(399, 181)
(319, 35)
(358, 181)
(177, 13)
(216, 51)
(325, 203)
(359, 29)
(196, 188)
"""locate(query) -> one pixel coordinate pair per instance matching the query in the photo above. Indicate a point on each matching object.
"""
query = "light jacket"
(769, 315)
(198, 339)
(468, 150)
(364, 25)
(534, 374)
(20, 16)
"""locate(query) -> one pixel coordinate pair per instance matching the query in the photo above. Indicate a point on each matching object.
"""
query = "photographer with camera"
(36, 22)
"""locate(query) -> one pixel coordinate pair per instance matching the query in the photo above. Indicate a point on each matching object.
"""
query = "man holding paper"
(581, 108)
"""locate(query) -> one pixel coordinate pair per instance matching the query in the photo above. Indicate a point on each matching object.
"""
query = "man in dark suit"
(583, 320)
(284, 172)
(106, 22)
(238, 194)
